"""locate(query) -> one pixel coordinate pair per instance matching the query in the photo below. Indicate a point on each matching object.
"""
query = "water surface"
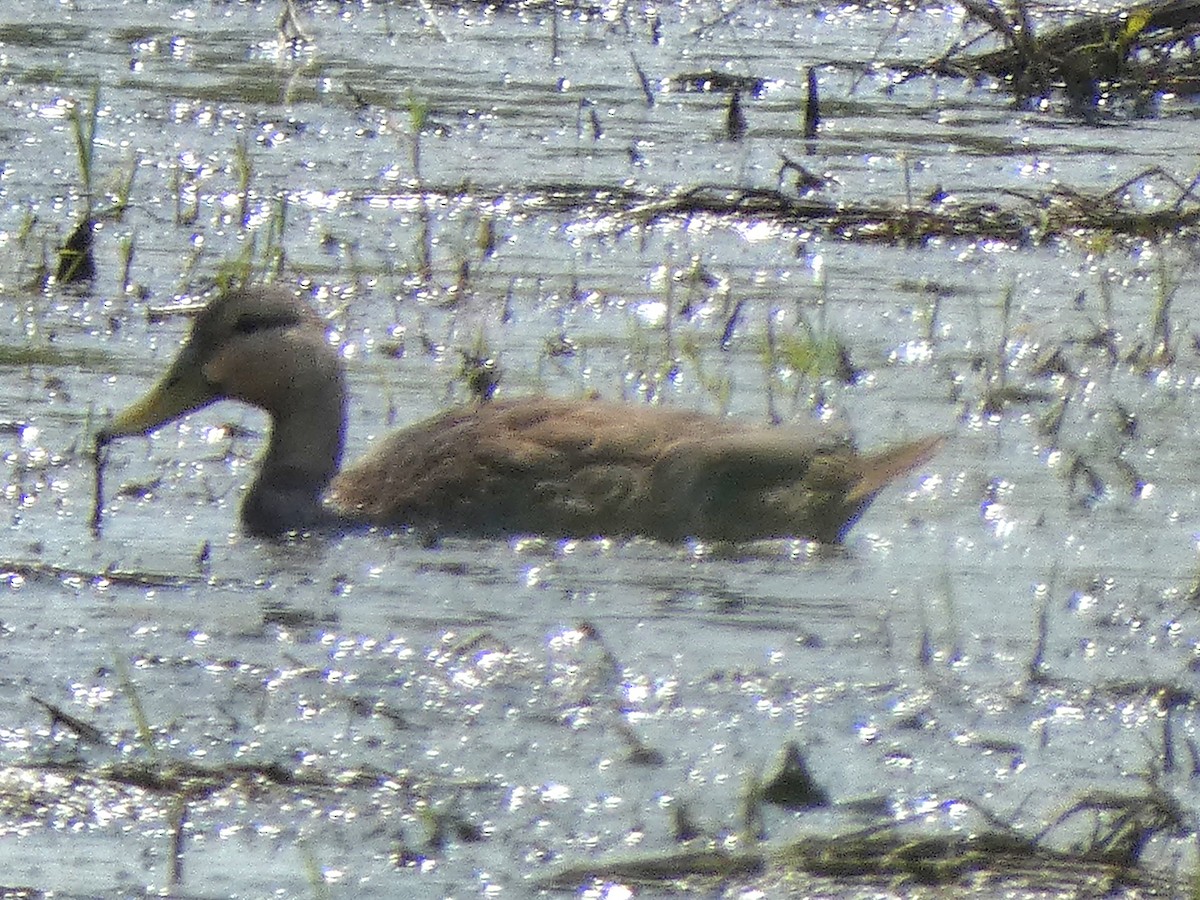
(459, 720)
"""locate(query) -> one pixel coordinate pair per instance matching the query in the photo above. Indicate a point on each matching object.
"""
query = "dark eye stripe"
(249, 323)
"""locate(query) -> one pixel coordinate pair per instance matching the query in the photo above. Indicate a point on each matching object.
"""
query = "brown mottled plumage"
(562, 468)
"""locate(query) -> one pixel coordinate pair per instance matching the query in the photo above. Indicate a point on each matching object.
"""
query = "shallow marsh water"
(460, 720)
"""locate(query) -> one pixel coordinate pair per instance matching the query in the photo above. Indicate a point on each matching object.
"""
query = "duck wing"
(778, 482)
(531, 466)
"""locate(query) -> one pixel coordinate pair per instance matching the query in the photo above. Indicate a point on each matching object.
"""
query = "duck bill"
(181, 391)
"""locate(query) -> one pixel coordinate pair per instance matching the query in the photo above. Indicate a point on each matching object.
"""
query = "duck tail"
(882, 468)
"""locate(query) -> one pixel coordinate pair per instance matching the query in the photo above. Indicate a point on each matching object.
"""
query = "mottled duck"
(536, 465)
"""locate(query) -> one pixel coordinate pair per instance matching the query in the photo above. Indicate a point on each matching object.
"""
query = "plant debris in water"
(1018, 217)
(893, 854)
(1135, 51)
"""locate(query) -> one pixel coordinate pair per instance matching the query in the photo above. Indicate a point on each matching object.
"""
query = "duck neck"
(303, 454)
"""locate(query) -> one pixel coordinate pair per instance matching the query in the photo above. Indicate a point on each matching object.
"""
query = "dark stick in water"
(99, 457)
